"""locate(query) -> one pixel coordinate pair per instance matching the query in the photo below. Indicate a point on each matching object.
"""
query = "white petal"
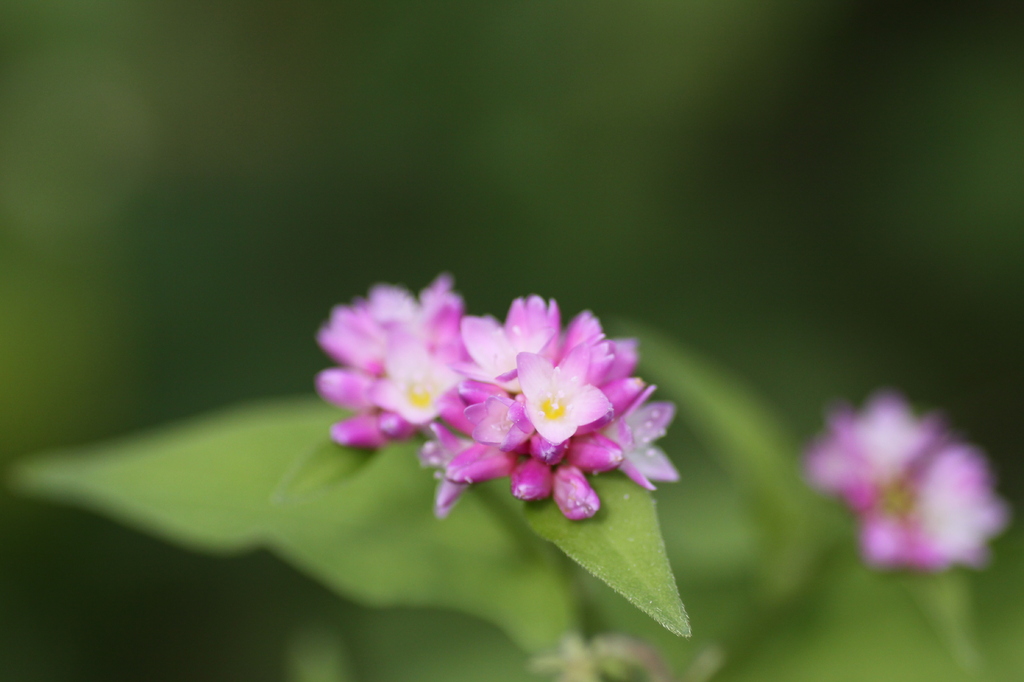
(535, 375)
(589, 404)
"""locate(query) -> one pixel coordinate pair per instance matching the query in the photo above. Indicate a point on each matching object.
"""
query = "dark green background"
(827, 197)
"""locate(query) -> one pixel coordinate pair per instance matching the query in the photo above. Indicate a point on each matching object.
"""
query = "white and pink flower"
(395, 353)
(924, 499)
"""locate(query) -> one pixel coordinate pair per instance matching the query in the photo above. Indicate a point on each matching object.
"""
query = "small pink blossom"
(413, 381)
(499, 421)
(394, 351)
(924, 499)
(558, 399)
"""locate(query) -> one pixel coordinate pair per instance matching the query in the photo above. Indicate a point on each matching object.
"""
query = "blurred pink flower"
(924, 500)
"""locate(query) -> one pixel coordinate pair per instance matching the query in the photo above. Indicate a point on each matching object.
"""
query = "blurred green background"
(827, 197)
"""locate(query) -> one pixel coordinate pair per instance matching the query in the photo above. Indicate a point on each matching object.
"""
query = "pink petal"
(626, 358)
(452, 409)
(584, 328)
(394, 426)
(589, 405)
(535, 374)
(574, 366)
(487, 344)
(473, 392)
(635, 475)
(653, 464)
(554, 430)
(448, 493)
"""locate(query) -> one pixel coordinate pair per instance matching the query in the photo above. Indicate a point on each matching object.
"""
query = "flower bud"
(394, 426)
(479, 463)
(344, 388)
(361, 431)
(545, 450)
(622, 392)
(531, 480)
(573, 494)
(594, 453)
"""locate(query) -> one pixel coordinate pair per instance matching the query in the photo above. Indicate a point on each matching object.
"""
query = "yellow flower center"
(897, 500)
(419, 396)
(552, 409)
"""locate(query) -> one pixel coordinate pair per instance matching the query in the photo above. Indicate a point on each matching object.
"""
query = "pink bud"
(594, 453)
(360, 431)
(546, 451)
(622, 392)
(479, 463)
(394, 426)
(344, 388)
(573, 494)
(531, 480)
(626, 357)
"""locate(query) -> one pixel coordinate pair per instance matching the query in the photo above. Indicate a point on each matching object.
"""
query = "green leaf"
(855, 624)
(315, 472)
(621, 545)
(945, 599)
(753, 446)
(362, 525)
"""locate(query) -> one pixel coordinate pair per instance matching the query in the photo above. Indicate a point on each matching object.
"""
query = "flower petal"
(535, 375)
(487, 344)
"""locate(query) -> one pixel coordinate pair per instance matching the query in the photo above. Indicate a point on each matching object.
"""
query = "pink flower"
(558, 399)
(500, 421)
(394, 351)
(925, 500)
(413, 381)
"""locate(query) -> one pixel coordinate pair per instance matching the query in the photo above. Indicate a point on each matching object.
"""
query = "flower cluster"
(923, 497)
(524, 398)
(396, 352)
